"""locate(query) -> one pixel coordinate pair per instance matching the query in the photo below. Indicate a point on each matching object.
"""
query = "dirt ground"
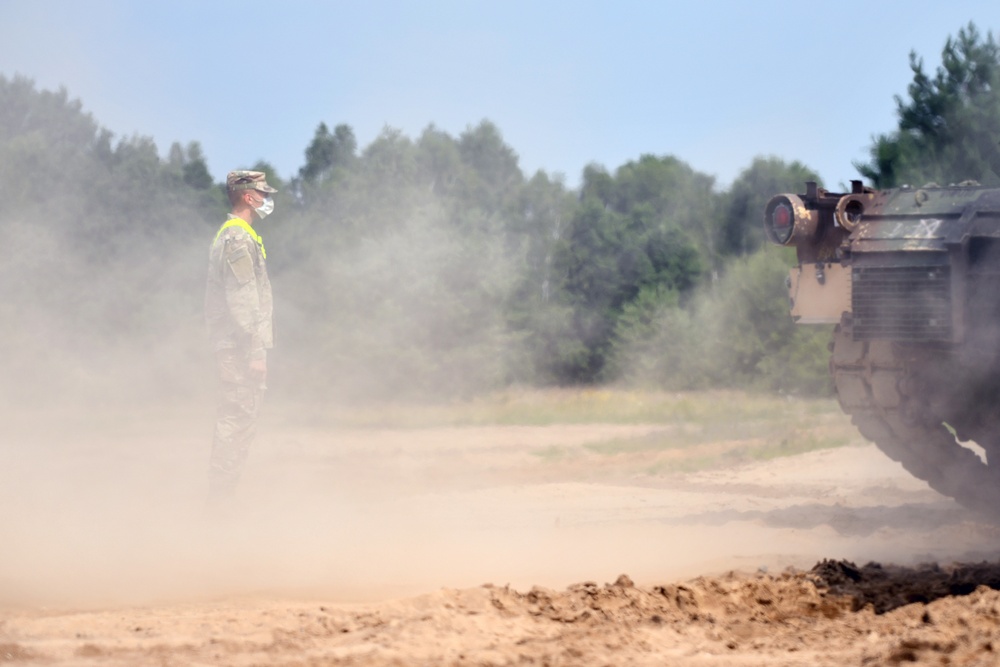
(494, 545)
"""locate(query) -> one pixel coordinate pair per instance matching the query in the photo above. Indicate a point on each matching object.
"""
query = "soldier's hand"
(258, 367)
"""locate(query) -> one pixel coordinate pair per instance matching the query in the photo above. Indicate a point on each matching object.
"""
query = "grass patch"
(553, 453)
(541, 407)
(727, 433)
(692, 430)
(808, 442)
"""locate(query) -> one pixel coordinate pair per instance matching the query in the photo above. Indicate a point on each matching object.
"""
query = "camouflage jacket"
(238, 307)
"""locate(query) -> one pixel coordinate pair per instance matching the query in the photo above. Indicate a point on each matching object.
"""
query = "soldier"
(238, 315)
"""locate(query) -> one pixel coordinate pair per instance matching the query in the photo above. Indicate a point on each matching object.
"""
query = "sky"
(715, 83)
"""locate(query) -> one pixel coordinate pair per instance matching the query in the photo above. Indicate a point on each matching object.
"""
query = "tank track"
(896, 400)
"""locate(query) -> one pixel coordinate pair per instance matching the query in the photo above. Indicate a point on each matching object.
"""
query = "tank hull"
(912, 277)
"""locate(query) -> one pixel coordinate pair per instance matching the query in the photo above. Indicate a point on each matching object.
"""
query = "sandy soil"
(480, 546)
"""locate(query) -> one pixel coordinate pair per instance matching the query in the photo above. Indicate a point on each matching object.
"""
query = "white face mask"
(266, 208)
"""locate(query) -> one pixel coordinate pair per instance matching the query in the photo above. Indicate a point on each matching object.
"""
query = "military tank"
(910, 277)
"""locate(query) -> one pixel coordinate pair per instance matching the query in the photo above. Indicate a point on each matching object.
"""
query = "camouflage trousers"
(240, 396)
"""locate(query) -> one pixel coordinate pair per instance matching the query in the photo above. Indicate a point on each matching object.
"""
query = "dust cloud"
(108, 409)
(109, 389)
(109, 508)
(107, 429)
(108, 399)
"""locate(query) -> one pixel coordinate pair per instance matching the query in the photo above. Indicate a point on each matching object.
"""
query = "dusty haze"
(107, 507)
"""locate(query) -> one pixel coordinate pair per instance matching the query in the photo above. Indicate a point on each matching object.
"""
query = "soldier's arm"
(242, 296)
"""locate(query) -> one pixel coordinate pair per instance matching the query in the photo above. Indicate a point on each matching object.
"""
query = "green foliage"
(327, 153)
(740, 231)
(46, 143)
(949, 127)
(751, 338)
(439, 161)
(397, 281)
(404, 267)
(435, 265)
(539, 321)
(108, 251)
(194, 169)
(414, 310)
(642, 229)
(492, 176)
(736, 333)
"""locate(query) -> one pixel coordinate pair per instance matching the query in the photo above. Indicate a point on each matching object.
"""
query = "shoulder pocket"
(241, 265)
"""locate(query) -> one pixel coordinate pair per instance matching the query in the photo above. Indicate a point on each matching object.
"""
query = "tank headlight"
(850, 210)
(788, 221)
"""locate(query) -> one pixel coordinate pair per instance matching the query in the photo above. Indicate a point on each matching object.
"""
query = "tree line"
(433, 265)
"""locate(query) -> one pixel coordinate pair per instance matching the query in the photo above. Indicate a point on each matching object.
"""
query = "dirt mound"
(873, 615)
(794, 618)
(705, 599)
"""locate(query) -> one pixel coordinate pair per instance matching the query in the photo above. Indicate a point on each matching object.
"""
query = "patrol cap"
(248, 180)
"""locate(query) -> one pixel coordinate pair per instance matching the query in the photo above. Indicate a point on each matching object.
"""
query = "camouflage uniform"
(238, 311)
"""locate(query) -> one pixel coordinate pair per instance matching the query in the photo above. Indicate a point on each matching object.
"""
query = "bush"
(737, 332)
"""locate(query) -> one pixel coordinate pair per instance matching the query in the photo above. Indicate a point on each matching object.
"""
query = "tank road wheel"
(891, 405)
